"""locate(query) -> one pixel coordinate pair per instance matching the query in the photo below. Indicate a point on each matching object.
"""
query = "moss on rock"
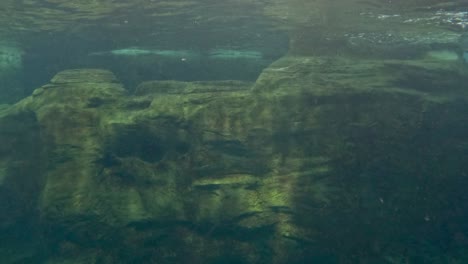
(296, 166)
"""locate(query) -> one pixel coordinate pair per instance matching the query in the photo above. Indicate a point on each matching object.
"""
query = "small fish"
(136, 51)
(235, 54)
(183, 55)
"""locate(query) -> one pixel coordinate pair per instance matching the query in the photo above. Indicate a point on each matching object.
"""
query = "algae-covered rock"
(83, 76)
(320, 158)
(366, 120)
(22, 166)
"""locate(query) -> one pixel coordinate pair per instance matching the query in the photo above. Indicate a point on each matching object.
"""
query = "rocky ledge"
(323, 159)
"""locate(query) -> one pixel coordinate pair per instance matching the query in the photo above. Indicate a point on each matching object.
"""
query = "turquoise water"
(233, 131)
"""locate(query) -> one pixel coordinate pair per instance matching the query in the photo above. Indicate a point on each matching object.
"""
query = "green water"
(233, 131)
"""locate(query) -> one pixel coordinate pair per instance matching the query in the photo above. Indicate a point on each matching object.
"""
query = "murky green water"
(233, 131)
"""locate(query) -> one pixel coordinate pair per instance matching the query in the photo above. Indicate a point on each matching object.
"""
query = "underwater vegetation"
(290, 168)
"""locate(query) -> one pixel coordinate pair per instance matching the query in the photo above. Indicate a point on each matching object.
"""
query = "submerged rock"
(314, 161)
(84, 76)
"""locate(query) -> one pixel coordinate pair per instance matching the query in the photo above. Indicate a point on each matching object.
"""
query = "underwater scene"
(234, 131)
